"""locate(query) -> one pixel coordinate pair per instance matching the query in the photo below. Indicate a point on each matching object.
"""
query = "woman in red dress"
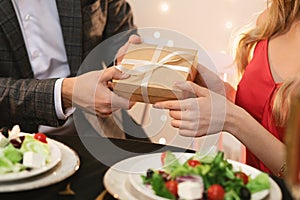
(268, 58)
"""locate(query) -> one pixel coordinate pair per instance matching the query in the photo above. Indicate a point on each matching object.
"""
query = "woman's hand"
(203, 114)
(91, 92)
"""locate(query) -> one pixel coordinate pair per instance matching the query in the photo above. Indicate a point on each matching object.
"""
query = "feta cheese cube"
(33, 160)
(190, 190)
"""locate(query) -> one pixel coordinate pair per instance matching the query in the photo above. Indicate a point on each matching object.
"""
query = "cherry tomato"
(215, 192)
(194, 163)
(162, 157)
(242, 176)
(41, 137)
(172, 186)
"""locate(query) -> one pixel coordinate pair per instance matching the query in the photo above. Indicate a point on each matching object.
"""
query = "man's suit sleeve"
(119, 18)
(28, 102)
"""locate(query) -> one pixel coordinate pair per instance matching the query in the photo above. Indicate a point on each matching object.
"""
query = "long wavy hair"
(278, 19)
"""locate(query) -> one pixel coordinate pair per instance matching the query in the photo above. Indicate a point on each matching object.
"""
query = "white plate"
(55, 157)
(115, 180)
(68, 165)
(123, 179)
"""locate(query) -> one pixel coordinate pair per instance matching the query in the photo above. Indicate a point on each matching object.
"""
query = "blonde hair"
(278, 18)
(282, 100)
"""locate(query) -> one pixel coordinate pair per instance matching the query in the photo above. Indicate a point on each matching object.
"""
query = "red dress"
(255, 92)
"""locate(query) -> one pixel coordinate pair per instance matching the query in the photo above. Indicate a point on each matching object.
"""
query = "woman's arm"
(255, 137)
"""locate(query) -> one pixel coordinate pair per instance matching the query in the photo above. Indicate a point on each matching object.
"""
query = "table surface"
(87, 182)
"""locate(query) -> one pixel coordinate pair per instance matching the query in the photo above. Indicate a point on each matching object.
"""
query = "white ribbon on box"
(145, 66)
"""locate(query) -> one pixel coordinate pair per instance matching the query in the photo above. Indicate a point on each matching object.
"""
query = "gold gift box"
(153, 71)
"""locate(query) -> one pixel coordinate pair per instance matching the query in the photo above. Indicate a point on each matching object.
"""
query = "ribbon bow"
(144, 66)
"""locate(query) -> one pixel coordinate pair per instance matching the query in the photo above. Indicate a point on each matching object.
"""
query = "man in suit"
(27, 97)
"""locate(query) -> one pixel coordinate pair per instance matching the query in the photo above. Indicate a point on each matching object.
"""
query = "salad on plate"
(22, 152)
(210, 177)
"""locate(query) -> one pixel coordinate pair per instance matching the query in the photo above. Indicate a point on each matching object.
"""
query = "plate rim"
(122, 192)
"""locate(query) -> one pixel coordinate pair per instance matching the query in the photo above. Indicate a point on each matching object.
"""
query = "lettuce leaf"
(259, 183)
(13, 154)
(171, 163)
(7, 166)
(158, 186)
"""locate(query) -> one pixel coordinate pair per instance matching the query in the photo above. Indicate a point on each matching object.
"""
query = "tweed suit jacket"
(30, 102)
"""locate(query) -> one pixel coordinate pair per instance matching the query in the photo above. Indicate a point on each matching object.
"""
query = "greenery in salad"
(14, 145)
(219, 179)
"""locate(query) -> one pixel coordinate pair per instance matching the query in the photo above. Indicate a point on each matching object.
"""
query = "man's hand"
(91, 92)
(133, 39)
